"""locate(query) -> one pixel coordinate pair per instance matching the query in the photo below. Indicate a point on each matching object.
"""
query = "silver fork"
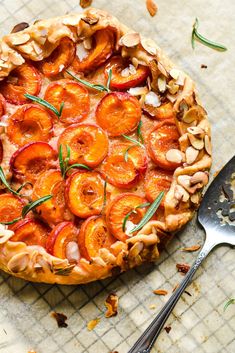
(217, 216)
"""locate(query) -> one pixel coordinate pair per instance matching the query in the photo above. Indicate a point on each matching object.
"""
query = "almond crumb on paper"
(92, 324)
(167, 329)
(203, 66)
(160, 292)
(85, 3)
(191, 248)
(183, 268)
(111, 304)
(151, 7)
(60, 319)
(152, 306)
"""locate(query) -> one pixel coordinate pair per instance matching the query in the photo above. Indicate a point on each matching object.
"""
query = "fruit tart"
(104, 149)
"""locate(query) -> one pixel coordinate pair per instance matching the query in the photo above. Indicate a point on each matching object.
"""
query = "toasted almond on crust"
(90, 20)
(85, 3)
(174, 156)
(161, 81)
(130, 39)
(181, 194)
(199, 177)
(19, 262)
(19, 27)
(20, 38)
(195, 130)
(195, 198)
(149, 46)
(196, 142)
(191, 155)
(151, 7)
(208, 145)
(160, 292)
(174, 73)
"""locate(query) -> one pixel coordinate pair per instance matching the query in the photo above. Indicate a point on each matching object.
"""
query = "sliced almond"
(199, 177)
(195, 130)
(181, 194)
(196, 142)
(162, 69)
(183, 108)
(19, 262)
(90, 20)
(16, 59)
(130, 39)
(208, 145)
(149, 46)
(195, 198)
(174, 73)
(135, 62)
(190, 116)
(19, 39)
(172, 87)
(19, 27)
(152, 99)
(87, 43)
(191, 155)
(71, 20)
(193, 247)
(184, 180)
(151, 7)
(175, 156)
(138, 91)
(161, 82)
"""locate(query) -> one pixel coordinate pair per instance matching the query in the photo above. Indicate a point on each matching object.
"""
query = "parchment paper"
(198, 323)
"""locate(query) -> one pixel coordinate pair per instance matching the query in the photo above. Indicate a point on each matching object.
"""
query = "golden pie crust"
(36, 43)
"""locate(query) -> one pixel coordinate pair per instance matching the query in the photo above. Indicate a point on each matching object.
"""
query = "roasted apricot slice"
(62, 242)
(75, 97)
(118, 113)
(165, 111)
(102, 48)
(24, 79)
(157, 180)
(2, 105)
(31, 160)
(51, 183)
(124, 173)
(29, 123)
(125, 76)
(10, 207)
(93, 236)
(118, 209)
(30, 231)
(60, 58)
(162, 138)
(85, 194)
(88, 144)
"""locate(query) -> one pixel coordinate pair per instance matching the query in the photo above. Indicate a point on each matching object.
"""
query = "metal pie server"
(217, 216)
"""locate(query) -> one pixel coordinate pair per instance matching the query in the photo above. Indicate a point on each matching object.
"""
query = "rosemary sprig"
(98, 87)
(229, 302)
(139, 133)
(131, 212)
(63, 271)
(203, 40)
(29, 207)
(135, 143)
(64, 168)
(46, 104)
(105, 195)
(149, 214)
(5, 182)
(126, 153)
(23, 185)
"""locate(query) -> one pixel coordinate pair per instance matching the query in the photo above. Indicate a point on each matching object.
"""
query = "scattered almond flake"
(174, 73)
(191, 155)
(20, 38)
(191, 248)
(161, 82)
(152, 306)
(183, 268)
(160, 292)
(151, 7)
(152, 98)
(171, 98)
(135, 62)
(85, 3)
(72, 252)
(208, 145)
(138, 91)
(203, 66)
(149, 46)
(81, 52)
(130, 39)
(181, 79)
(174, 155)
(87, 43)
(129, 226)
(60, 318)
(172, 87)
(93, 323)
(19, 27)
(167, 329)
(196, 142)
(111, 304)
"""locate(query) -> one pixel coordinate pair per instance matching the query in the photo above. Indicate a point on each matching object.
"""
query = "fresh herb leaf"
(4, 181)
(109, 79)
(61, 160)
(64, 168)
(77, 165)
(98, 87)
(64, 271)
(46, 104)
(105, 194)
(149, 214)
(32, 205)
(203, 40)
(126, 152)
(11, 222)
(143, 205)
(229, 302)
(23, 185)
(133, 140)
(139, 133)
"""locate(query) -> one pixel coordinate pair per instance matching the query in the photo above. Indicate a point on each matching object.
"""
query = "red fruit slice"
(118, 80)
(93, 236)
(85, 194)
(88, 144)
(119, 208)
(75, 97)
(157, 180)
(62, 242)
(31, 160)
(31, 232)
(59, 59)
(2, 105)
(29, 123)
(118, 113)
(51, 183)
(165, 111)
(24, 79)
(162, 138)
(103, 45)
(124, 173)
(10, 207)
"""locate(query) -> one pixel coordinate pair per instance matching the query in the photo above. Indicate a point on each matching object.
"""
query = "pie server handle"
(146, 341)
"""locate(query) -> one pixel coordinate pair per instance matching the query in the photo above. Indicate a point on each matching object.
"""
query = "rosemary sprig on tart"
(98, 87)
(46, 104)
(64, 162)
(143, 205)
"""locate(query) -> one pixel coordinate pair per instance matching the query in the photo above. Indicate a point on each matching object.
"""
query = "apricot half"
(29, 123)
(118, 209)
(88, 144)
(93, 236)
(157, 180)
(31, 232)
(10, 207)
(24, 79)
(74, 96)
(85, 194)
(165, 111)
(118, 113)
(31, 160)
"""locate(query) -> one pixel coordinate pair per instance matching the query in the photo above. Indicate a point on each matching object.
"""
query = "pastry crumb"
(191, 248)
(167, 329)
(160, 292)
(111, 304)
(203, 66)
(92, 324)
(152, 306)
(85, 3)
(151, 7)
(60, 319)
(183, 268)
